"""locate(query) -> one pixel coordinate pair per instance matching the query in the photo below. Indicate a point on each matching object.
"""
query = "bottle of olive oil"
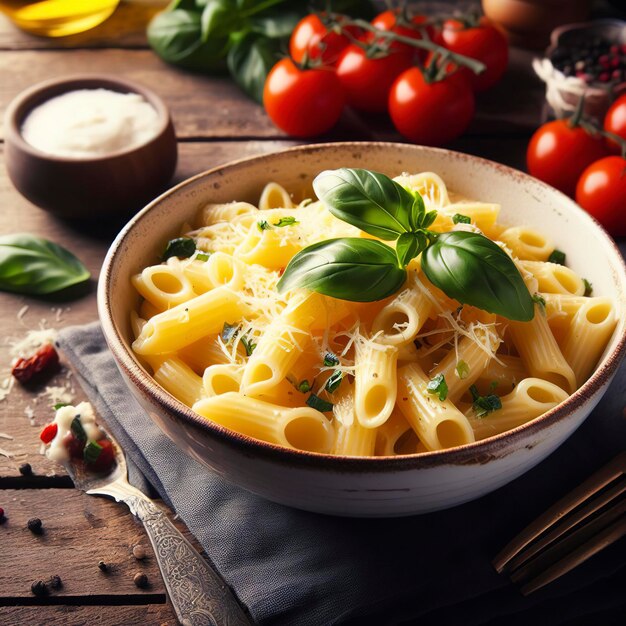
(57, 18)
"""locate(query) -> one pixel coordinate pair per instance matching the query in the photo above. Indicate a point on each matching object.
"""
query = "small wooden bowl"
(87, 188)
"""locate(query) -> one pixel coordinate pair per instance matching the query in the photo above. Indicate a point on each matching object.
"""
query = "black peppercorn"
(26, 469)
(55, 582)
(35, 526)
(39, 588)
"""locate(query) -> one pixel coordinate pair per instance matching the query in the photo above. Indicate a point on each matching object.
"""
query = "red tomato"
(484, 43)
(601, 191)
(303, 102)
(49, 432)
(615, 121)
(367, 81)
(311, 37)
(106, 458)
(431, 113)
(558, 153)
(74, 446)
(388, 21)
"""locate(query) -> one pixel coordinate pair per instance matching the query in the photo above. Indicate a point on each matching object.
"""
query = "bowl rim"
(37, 94)
(477, 452)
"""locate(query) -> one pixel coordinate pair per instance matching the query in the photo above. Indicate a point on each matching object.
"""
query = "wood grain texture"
(79, 531)
(150, 615)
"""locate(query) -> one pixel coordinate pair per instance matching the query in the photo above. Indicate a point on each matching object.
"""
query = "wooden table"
(215, 123)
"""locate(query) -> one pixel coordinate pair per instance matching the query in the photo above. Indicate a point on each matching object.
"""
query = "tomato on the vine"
(312, 39)
(414, 29)
(559, 151)
(302, 102)
(615, 121)
(431, 113)
(601, 191)
(483, 42)
(366, 80)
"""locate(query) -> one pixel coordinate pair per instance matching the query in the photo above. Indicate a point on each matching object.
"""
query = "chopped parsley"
(304, 386)
(286, 221)
(77, 429)
(331, 359)
(181, 247)
(202, 256)
(483, 405)
(334, 381)
(557, 257)
(59, 405)
(263, 225)
(91, 452)
(462, 369)
(459, 218)
(540, 301)
(438, 386)
(588, 287)
(248, 345)
(315, 402)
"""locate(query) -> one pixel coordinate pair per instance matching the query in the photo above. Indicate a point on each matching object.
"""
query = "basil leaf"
(275, 24)
(317, 403)
(483, 405)
(459, 218)
(249, 61)
(286, 221)
(91, 452)
(438, 386)
(360, 270)
(77, 429)
(176, 36)
(474, 270)
(417, 212)
(368, 200)
(219, 19)
(429, 218)
(588, 287)
(407, 248)
(181, 247)
(557, 257)
(36, 266)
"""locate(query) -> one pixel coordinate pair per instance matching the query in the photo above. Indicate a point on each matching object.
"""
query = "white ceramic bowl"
(384, 486)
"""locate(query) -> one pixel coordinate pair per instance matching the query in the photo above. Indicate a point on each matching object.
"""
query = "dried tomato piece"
(44, 360)
(49, 433)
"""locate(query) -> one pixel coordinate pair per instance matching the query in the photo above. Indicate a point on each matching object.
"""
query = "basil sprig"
(36, 266)
(466, 266)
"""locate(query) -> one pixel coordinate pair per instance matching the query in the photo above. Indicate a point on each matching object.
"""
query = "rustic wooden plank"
(152, 614)
(126, 28)
(79, 531)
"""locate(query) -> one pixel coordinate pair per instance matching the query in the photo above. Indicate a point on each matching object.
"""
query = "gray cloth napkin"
(293, 567)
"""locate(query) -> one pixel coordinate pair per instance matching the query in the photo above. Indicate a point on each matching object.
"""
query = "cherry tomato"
(431, 113)
(558, 153)
(105, 459)
(49, 432)
(303, 102)
(74, 446)
(615, 122)
(388, 21)
(311, 38)
(367, 81)
(484, 43)
(601, 191)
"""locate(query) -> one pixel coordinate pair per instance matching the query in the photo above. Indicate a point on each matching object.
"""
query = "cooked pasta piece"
(527, 243)
(215, 213)
(221, 378)
(180, 380)
(588, 334)
(540, 352)
(189, 321)
(351, 438)
(400, 320)
(555, 278)
(429, 185)
(164, 286)
(438, 424)
(374, 382)
(530, 398)
(300, 428)
(275, 196)
(500, 374)
(396, 436)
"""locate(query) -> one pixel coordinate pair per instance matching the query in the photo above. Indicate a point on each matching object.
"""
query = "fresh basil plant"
(246, 36)
(36, 266)
(466, 266)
